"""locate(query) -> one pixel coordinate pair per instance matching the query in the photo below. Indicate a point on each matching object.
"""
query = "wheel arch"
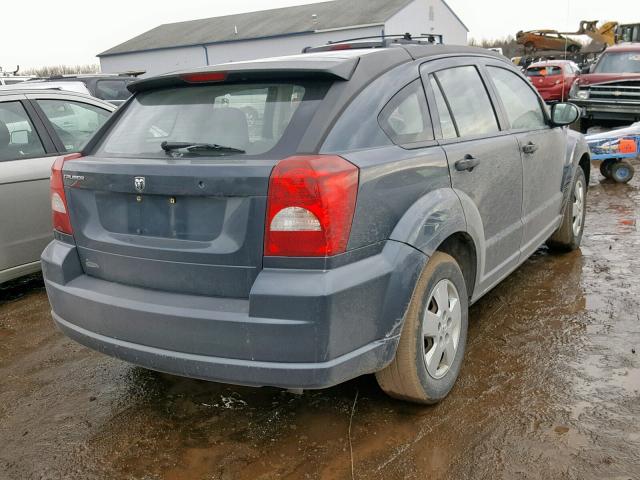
(447, 221)
(462, 248)
(577, 156)
(585, 164)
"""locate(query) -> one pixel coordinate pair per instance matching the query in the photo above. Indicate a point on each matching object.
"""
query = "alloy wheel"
(441, 328)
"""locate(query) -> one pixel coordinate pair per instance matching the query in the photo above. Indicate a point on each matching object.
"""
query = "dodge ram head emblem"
(139, 183)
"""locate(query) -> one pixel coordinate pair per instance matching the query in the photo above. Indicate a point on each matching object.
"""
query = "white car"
(36, 126)
(77, 87)
(13, 80)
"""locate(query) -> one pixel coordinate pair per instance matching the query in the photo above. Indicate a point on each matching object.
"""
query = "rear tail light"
(310, 207)
(59, 208)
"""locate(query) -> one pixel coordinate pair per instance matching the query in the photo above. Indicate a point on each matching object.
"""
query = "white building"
(281, 31)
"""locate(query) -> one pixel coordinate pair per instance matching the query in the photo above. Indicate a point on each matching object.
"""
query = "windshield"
(216, 120)
(547, 71)
(623, 62)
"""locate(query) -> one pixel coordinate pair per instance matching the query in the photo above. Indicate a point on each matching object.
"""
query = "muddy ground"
(550, 389)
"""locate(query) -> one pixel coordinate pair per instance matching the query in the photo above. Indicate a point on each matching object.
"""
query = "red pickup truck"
(609, 94)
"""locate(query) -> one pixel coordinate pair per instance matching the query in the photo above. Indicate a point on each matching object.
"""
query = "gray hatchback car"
(299, 221)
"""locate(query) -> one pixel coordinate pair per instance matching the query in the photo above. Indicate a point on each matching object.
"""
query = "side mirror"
(563, 114)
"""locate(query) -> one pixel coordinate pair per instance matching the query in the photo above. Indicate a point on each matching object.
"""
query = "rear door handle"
(530, 148)
(468, 163)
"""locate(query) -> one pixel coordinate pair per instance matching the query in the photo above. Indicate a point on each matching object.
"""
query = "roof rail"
(377, 41)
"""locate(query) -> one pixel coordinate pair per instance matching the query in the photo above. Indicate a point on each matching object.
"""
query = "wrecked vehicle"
(609, 94)
(547, 40)
(380, 192)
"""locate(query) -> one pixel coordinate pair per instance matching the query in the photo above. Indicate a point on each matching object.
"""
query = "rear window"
(247, 119)
(544, 71)
(112, 89)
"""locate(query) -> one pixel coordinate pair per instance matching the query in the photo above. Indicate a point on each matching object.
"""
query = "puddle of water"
(549, 389)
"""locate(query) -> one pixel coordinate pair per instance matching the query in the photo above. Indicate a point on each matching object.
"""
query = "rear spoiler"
(284, 68)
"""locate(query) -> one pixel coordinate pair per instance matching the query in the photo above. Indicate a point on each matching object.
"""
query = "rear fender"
(435, 217)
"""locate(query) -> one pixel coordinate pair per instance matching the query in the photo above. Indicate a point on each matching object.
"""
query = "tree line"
(52, 70)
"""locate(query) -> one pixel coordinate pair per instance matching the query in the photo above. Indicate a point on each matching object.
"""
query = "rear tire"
(622, 172)
(568, 237)
(434, 336)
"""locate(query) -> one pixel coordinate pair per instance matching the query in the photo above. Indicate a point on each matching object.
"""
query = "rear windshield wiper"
(198, 147)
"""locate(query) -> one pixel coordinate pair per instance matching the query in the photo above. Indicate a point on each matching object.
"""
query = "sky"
(72, 32)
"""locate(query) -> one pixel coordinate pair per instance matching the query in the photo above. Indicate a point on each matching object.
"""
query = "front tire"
(568, 237)
(434, 336)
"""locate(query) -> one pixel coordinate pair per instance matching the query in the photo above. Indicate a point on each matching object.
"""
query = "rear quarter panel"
(392, 178)
(392, 181)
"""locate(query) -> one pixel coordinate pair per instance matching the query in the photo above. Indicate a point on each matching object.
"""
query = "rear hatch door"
(545, 77)
(174, 195)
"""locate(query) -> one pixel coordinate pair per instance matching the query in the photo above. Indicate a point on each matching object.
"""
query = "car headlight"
(583, 94)
(573, 90)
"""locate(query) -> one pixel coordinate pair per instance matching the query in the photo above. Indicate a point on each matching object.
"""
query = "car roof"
(77, 86)
(339, 64)
(4, 92)
(551, 63)
(88, 75)
(624, 47)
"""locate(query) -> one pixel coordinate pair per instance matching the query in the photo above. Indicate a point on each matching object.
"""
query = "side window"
(405, 119)
(469, 101)
(18, 138)
(74, 122)
(520, 102)
(446, 122)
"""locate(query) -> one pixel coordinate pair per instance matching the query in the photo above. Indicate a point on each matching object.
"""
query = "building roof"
(315, 17)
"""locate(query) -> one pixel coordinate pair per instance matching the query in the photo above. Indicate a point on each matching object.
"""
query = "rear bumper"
(299, 328)
(555, 93)
(241, 372)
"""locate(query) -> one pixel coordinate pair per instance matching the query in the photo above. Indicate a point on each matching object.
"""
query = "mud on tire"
(568, 237)
(408, 377)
